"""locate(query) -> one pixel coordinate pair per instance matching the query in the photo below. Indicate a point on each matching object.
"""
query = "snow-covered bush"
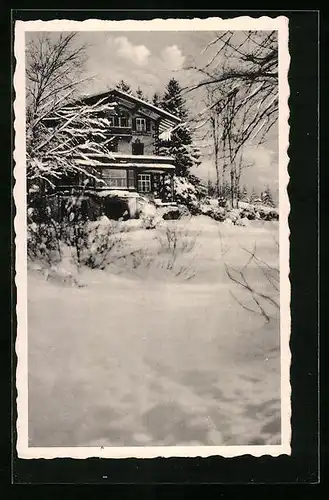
(43, 242)
(183, 211)
(248, 213)
(88, 243)
(233, 215)
(174, 212)
(148, 214)
(100, 239)
(43, 233)
(268, 215)
(258, 211)
(186, 194)
(216, 213)
(236, 216)
(174, 241)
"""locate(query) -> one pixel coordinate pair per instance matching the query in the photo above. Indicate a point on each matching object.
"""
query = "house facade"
(133, 164)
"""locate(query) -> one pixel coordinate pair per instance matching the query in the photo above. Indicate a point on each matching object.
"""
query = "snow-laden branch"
(80, 133)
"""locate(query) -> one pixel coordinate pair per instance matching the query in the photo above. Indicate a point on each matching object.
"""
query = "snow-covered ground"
(157, 351)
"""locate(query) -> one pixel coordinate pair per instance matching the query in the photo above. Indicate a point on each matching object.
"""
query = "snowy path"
(133, 362)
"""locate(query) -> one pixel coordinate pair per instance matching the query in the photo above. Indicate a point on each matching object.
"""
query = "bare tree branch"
(238, 277)
(241, 82)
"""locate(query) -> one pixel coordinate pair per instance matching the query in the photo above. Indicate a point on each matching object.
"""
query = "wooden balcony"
(129, 131)
(123, 158)
(121, 131)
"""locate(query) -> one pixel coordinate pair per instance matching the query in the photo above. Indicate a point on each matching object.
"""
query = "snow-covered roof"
(130, 97)
(117, 192)
(142, 157)
(144, 166)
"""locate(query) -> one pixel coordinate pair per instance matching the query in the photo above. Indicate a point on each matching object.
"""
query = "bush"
(149, 215)
(174, 212)
(273, 215)
(43, 242)
(99, 240)
(186, 194)
(253, 212)
(270, 215)
(216, 213)
(233, 215)
(175, 241)
(183, 211)
(89, 243)
(248, 213)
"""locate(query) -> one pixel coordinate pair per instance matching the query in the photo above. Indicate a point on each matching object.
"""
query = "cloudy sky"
(149, 59)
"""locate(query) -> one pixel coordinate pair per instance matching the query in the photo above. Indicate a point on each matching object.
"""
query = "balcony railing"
(121, 130)
(123, 158)
(129, 131)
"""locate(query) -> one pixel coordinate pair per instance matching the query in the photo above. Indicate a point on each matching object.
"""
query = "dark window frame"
(137, 147)
(129, 178)
(141, 120)
(143, 180)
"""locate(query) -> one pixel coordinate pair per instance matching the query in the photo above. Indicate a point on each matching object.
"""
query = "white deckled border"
(284, 233)
(210, 24)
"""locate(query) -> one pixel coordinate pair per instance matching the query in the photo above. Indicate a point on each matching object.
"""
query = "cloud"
(263, 157)
(265, 168)
(172, 57)
(139, 54)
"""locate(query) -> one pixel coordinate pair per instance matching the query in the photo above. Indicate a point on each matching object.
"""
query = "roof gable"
(131, 102)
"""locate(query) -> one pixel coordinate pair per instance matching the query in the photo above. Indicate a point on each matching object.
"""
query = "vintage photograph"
(152, 239)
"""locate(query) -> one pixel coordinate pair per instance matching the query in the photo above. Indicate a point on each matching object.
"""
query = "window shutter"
(134, 123)
(148, 124)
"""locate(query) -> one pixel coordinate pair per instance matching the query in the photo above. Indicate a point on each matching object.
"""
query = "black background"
(303, 466)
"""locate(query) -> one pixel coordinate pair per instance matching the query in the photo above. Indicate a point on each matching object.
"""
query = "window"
(144, 183)
(119, 121)
(115, 177)
(123, 121)
(137, 147)
(140, 124)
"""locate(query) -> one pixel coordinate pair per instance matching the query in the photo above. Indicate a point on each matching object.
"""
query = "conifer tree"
(244, 193)
(140, 94)
(253, 196)
(267, 198)
(124, 87)
(156, 100)
(180, 145)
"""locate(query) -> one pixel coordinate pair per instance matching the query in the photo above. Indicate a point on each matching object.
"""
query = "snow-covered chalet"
(135, 166)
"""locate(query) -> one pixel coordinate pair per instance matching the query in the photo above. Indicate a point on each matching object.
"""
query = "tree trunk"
(232, 187)
(214, 130)
(223, 174)
(217, 174)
